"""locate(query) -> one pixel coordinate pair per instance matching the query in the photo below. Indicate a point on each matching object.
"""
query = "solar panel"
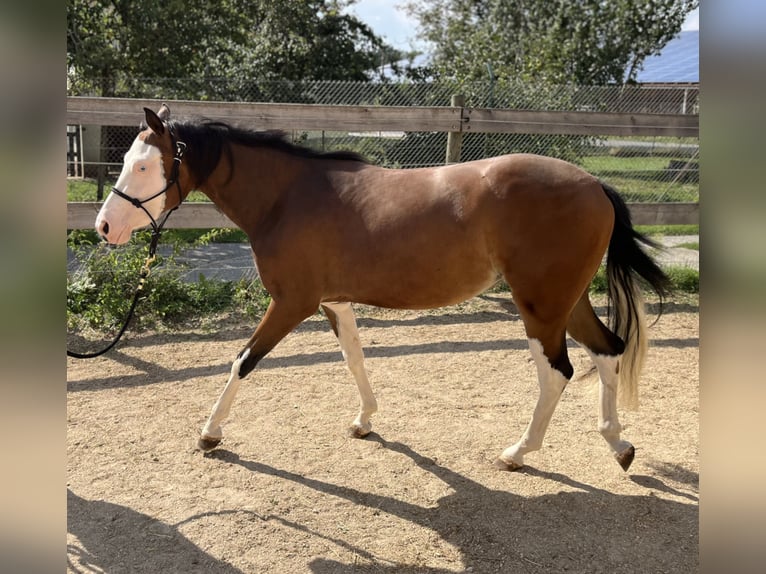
(679, 61)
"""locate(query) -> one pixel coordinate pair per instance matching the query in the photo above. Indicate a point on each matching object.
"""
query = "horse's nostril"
(104, 229)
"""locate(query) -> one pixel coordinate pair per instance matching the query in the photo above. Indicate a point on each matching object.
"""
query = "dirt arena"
(288, 491)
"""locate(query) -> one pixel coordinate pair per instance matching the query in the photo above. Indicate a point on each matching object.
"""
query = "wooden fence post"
(455, 139)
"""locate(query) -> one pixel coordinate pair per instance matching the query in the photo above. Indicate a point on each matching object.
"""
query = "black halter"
(156, 232)
(173, 180)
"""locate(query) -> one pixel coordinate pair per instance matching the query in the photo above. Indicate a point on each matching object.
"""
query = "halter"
(156, 232)
(174, 180)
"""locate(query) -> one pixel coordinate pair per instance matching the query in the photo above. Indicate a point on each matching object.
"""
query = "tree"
(585, 42)
(311, 40)
(108, 41)
(112, 43)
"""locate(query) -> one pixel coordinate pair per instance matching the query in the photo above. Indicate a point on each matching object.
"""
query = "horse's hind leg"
(547, 344)
(343, 322)
(605, 349)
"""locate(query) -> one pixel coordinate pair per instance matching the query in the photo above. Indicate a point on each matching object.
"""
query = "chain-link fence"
(644, 169)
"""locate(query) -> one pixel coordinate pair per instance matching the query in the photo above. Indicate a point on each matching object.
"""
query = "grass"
(659, 230)
(641, 178)
(81, 189)
(86, 189)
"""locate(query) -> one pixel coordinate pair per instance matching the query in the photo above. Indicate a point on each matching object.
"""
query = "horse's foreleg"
(552, 380)
(277, 322)
(212, 433)
(343, 322)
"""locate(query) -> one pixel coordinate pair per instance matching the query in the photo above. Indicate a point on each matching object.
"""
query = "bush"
(100, 292)
(250, 298)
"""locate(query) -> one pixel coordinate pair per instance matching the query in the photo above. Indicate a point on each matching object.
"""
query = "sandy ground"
(289, 491)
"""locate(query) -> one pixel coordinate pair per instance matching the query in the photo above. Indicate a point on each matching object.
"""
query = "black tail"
(626, 257)
(625, 262)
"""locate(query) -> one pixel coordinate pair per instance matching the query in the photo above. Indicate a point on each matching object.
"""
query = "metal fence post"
(455, 139)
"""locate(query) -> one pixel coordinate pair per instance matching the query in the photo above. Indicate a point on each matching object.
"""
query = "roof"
(678, 62)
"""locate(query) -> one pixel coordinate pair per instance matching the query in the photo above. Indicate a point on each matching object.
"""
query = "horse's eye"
(142, 168)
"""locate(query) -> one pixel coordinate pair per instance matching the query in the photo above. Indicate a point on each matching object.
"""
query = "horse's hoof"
(625, 458)
(207, 444)
(507, 466)
(355, 431)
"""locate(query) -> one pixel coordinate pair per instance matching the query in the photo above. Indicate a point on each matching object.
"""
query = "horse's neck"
(248, 193)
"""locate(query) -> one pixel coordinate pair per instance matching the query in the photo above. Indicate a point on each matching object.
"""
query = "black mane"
(206, 140)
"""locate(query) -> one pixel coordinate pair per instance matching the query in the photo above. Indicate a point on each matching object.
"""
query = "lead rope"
(145, 272)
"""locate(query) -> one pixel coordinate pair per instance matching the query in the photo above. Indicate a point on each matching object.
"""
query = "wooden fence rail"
(129, 112)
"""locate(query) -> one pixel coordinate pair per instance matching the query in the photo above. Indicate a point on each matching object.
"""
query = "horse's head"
(150, 173)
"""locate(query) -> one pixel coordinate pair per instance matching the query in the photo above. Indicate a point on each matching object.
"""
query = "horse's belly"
(432, 285)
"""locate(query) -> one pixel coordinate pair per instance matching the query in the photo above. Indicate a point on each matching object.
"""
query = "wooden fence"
(454, 119)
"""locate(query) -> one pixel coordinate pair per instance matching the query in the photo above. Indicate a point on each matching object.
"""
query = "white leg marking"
(608, 423)
(348, 337)
(552, 384)
(212, 429)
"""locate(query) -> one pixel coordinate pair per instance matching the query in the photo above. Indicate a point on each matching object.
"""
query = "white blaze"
(141, 177)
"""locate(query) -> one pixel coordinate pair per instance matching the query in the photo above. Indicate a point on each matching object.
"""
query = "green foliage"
(586, 42)
(99, 293)
(171, 300)
(600, 283)
(313, 39)
(651, 230)
(113, 47)
(207, 236)
(82, 237)
(111, 43)
(81, 190)
(251, 298)
(682, 280)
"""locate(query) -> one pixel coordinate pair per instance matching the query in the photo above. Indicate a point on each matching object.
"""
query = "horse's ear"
(154, 121)
(164, 112)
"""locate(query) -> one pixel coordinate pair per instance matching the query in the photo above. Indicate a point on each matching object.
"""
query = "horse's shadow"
(584, 529)
(499, 531)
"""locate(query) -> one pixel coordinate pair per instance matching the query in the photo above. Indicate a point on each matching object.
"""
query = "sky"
(390, 21)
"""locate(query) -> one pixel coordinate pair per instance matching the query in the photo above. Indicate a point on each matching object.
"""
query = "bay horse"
(328, 230)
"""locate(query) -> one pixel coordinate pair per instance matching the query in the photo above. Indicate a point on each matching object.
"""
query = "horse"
(328, 229)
